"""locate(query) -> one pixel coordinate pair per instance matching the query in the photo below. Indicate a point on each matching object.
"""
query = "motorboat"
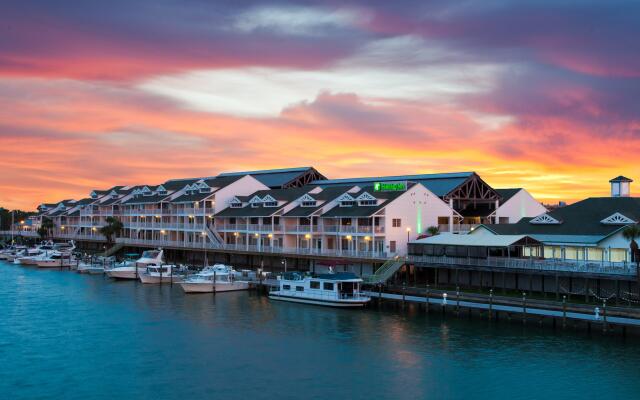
(215, 278)
(34, 254)
(16, 252)
(57, 259)
(333, 289)
(131, 270)
(162, 274)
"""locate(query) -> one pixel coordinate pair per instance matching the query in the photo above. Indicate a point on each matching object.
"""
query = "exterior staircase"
(113, 249)
(214, 236)
(385, 272)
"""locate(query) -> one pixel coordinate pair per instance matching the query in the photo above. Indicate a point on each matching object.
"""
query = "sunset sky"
(537, 94)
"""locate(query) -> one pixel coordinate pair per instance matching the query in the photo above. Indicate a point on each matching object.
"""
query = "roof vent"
(620, 186)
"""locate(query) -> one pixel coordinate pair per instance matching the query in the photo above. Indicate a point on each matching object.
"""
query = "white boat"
(35, 254)
(87, 268)
(57, 259)
(15, 253)
(218, 278)
(131, 270)
(333, 289)
(162, 274)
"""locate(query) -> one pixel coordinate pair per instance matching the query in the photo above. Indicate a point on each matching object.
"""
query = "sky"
(540, 94)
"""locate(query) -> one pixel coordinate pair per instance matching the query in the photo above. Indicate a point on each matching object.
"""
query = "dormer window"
(235, 205)
(270, 204)
(255, 205)
(309, 203)
(347, 203)
(367, 202)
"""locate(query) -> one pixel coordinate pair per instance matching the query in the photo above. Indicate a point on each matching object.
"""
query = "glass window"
(299, 288)
(314, 285)
(396, 222)
(286, 287)
(328, 286)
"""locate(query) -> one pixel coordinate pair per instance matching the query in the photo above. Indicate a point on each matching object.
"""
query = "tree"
(433, 230)
(631, 233)
(113, 228)
(46, 227)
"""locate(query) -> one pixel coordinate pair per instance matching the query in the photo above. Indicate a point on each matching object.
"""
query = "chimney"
(620, 186)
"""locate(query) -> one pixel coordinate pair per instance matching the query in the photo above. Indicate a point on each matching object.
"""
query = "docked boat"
(57, 259)
(88, 268)
(14, 253)
(35, 254)
(162, 274)
(131, 270)
(333, 289)
(215, 278)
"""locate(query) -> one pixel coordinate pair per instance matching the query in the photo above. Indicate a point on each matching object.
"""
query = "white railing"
(258, 248)
(457, 228)
(596, 267)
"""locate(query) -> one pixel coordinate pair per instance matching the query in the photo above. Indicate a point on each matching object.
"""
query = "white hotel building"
(293, 211)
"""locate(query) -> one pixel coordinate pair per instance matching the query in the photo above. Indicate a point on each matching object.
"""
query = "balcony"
(458, 228)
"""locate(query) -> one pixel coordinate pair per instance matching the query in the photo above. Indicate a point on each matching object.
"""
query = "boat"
(57, 259)
(14, 253)
(215, 278)
(34, 254)
(332, 289)
(88, 268)
(131, 270)
(162, 274)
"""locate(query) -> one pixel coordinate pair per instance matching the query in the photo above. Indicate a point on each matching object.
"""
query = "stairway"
(214, 236)
(113, 249)
(385, 272)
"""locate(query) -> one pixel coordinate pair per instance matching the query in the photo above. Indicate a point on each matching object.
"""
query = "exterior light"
(157, 216)
(256, 235)
(270, 235)
(94, 229)
(163, 231)
(349, 237)
(235, 234)
(22, 222)
(62, 228)
(190, 216)
(367, 238)
(203, 234)
(307, 236)
(408, 229)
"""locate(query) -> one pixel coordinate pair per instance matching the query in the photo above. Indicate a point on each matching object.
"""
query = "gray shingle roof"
(438, 184)
(364, 211)
(581, 218)
(273, 178)
(506, 194)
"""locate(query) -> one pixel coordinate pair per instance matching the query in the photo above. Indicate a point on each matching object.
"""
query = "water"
(72, 336)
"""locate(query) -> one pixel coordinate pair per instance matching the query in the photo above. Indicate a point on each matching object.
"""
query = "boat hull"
(151, 279)
(115, 274)
(317, 302)
(190, 287)
(54, 264)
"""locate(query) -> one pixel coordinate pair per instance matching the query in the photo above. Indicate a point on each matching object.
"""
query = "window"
(271, 204)
(328, 286)
(392, 246)
(347, 203)
(368, 202)
(314, 285)
(236, 205)
(396, 222)
(299, 288)
(309, 203)
(255, 205)
(286, 287)
(503, 220)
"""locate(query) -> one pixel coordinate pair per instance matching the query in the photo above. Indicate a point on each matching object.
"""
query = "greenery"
(46, 228)
(18, 215)
(112, 229)
(631, 233)
(433, 230)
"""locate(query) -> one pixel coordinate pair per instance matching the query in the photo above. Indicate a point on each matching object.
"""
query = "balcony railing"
(259, 249)
(457, 228)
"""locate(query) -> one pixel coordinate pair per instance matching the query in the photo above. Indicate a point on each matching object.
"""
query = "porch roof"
(452, 239)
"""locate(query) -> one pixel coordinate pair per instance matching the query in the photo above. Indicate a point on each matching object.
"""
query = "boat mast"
(12, 222)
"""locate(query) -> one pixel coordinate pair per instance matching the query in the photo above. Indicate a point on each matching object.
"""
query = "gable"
(544, 219)
(617, 219)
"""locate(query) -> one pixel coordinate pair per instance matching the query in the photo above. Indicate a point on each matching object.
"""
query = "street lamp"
(408, 233)
(284, 262)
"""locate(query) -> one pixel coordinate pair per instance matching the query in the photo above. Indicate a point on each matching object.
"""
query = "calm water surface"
(72, 336)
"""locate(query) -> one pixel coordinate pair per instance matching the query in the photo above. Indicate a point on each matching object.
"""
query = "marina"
(79, 324)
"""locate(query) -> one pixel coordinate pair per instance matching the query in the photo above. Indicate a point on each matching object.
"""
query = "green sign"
(390, 186)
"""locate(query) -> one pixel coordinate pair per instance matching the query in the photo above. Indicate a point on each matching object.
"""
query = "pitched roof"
(327, 194)
(365, 211)
(282, 195)
(274, 178)
(621, 178)
(506, 194)
(454, 239)
(438, 184)
(147, 199)
(579, 219)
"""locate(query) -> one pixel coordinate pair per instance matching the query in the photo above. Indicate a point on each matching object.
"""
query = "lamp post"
(284, 262)
(408, 233)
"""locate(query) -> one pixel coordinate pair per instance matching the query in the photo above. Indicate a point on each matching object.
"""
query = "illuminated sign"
(390, 186)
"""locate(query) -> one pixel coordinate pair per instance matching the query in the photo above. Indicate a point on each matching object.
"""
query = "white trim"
(544, 219)
(617, 219)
